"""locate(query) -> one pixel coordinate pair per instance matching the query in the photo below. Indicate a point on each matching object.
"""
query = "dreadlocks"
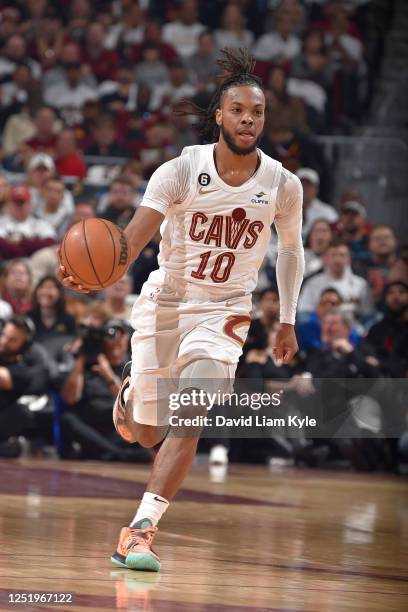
(236, 69)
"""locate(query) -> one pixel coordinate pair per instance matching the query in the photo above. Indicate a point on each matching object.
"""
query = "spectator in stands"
(90, 390)
(15, 379)
(311, 76)
(313, 207)
(45, 137)
(105, 139)
(183, 33)
(151, 70)
(152, 33)
(317, 243)
(44, 262)
(337, 273)
(337, 357)
(133, 170)
(120, 204)
(119, 95)
(268, 316)
(70, 54)
(278, 98)
(13, 54)
(166, 95)
(309, 325)
(336, 360)
(48, 39)
(68, 160)
(202, 64)
(313, 63)
(70, 93)
(40, 169)
(259, 364)
(232, 32)
(53, 208)
(16, 286)
(382, 254)
(18, 128)
(352, 227)
(291, 146)
(280, 46)
(101, 62)
(346, 52)
(129, 30)
(399, 270)
(80, 15)
(116, 298)
(21, 234)
(15, 93)
(343, 42)
(10, 22)
(48, 311)
(389, 337)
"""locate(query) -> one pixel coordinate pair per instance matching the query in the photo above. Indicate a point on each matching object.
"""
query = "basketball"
(95, 252)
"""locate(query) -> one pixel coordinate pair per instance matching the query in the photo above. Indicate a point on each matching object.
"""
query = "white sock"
(152, 507)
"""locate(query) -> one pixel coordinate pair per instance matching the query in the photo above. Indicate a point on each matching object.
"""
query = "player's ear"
(218, 116)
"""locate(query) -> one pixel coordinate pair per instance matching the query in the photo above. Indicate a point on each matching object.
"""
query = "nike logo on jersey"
(203, 191)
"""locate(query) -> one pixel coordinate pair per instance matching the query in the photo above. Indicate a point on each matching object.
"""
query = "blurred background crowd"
(88, 92)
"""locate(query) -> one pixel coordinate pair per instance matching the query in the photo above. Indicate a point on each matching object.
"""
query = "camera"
(93, 339)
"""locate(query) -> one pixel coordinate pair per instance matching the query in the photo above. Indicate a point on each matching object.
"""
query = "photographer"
(15, 379)
(90, 390)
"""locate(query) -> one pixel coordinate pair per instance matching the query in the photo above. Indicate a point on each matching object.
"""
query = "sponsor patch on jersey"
(204, 179)
(260, 198)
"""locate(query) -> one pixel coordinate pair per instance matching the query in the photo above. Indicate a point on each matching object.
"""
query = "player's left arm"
(291, 263)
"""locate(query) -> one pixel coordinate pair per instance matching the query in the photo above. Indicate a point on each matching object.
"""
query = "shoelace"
(140, 536)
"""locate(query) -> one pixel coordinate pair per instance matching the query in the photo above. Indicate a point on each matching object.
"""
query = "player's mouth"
(246, 135)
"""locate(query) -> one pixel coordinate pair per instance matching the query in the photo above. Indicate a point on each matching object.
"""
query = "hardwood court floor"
(285, 540)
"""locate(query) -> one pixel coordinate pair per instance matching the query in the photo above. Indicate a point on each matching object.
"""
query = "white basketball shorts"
(170, 333)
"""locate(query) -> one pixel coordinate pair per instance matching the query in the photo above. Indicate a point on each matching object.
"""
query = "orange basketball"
(95, 252)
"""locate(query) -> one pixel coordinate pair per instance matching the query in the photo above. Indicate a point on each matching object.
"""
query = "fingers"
(288, 355)
(69, 283)
(277, 352)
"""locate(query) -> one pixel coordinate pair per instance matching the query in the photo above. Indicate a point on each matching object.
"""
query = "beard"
(232, 145)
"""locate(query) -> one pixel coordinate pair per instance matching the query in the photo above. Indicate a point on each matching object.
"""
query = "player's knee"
(148, 435)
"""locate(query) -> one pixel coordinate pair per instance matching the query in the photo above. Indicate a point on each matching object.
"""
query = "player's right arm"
(168, 185)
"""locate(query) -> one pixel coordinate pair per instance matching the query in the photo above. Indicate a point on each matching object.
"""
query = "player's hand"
(67, 281)
(286, 345)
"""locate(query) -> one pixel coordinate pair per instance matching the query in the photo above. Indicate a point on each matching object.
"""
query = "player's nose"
(247, 120)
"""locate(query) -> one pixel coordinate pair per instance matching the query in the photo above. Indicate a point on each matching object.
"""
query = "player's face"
(241, 118)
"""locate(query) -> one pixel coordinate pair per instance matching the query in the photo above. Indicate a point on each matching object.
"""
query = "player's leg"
(170, 467)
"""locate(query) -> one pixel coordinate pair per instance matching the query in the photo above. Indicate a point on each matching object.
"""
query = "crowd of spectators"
(88, 92)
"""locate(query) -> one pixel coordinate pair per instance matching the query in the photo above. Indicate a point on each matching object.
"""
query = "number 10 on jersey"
(224, 260)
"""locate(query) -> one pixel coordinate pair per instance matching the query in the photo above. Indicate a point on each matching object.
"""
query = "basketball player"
(214, 205)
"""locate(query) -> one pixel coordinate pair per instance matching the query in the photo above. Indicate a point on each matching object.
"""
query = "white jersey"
(215, 236)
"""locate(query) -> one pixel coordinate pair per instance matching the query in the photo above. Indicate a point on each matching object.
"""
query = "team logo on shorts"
(204, 179)
(235, 322)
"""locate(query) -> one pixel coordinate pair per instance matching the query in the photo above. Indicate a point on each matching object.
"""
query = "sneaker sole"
(142, 562)
(117, 561)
